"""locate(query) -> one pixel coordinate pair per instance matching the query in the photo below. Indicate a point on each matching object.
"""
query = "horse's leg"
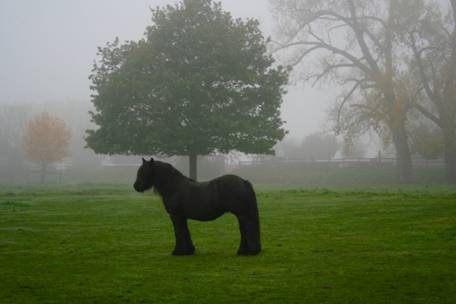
(243, 249)
(184, 244)
(250, 234)
(249, 221)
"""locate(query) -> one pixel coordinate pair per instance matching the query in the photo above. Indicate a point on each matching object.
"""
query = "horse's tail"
(253, 213)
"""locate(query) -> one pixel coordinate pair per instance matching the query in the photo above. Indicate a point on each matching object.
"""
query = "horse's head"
(145, 176)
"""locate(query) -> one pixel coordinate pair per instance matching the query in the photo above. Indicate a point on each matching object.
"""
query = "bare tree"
(354, 42)
(433, 41)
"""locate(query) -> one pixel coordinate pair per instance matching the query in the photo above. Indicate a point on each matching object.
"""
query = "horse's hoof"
(242, 251)
(183, 252)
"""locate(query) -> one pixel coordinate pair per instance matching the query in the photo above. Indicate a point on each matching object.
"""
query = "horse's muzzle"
(138, 188)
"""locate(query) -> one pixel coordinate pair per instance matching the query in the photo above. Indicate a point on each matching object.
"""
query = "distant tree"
(46, 140)
(427, 142)
(319, 146)
(13, 118)
(198, 82)
(354, 42)
(315, 146)
(289, 148)
(433, 41)
(352, 148)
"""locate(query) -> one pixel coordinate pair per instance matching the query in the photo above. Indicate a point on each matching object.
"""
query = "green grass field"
(107, 244)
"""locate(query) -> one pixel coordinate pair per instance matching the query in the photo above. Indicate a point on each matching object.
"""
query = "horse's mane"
(167, 177)
(167, 171)
(172, 171)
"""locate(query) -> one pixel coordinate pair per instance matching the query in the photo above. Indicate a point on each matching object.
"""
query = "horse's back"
(232, 192)
(228, 182)
(208, 200)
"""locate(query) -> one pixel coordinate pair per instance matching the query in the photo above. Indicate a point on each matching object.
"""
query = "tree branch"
(419, 61)
(323, 45)
(329, 69)
(304, 54)
(359, 37)
(450, 81)
(374, 39)
(283, 46)
(453, 6)
(379, 20)
(427, 114)
(349, 57)
(324, 15)
(346, 98)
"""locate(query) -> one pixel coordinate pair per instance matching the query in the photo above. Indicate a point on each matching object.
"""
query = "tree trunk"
(403, 156)
(450, 156)
(192, 159)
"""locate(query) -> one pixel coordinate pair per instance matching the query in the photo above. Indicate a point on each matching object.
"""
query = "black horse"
(185, 199)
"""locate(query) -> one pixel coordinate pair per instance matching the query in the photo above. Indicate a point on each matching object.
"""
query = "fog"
(47, 51)
(48, 48)
(179, 155)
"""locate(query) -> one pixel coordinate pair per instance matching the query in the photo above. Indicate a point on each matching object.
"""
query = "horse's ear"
(144, 161)
(151, 160)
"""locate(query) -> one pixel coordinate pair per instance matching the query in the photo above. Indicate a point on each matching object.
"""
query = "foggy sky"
(47, 48)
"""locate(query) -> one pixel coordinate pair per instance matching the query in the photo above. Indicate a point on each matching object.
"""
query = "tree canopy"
(388, 56)
(198, 82)
(433, 63)
(46, 140)
(356, 43)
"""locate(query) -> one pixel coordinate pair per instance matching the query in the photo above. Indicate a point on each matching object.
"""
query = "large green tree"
(198, 82)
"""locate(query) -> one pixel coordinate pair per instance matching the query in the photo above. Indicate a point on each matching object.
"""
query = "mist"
(48, 49)
(227, 151)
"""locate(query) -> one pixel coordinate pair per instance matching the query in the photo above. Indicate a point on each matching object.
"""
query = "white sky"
(47, 48)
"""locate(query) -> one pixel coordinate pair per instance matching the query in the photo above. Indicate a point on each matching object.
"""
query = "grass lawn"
(107, 244)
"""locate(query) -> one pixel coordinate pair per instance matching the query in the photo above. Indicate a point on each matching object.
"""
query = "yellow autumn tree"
(46, 140)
